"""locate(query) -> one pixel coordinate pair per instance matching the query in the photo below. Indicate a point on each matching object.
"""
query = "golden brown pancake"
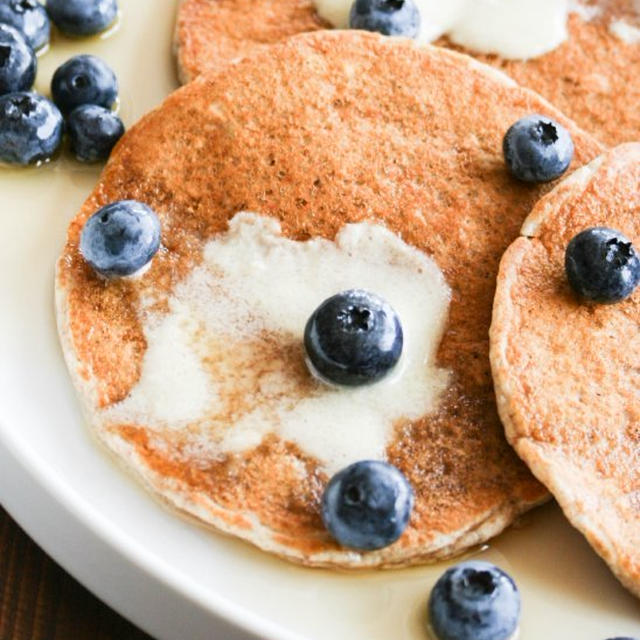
(592, 77)
(319, 132)
(566, 372)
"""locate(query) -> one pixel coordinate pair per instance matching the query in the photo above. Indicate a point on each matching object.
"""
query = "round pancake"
(319, 132)
(566, 373)
(592, 77)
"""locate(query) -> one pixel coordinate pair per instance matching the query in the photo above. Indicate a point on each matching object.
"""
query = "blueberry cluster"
(84, 89)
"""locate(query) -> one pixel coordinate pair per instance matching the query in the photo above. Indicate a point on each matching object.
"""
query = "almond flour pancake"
(315, 133)
(592, 77)
(566, 373)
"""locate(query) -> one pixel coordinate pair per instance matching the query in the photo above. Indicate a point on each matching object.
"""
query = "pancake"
(566, 373)
(592, 77)
(315, 133)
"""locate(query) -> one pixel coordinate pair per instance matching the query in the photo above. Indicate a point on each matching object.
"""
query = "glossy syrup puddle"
(567, 591)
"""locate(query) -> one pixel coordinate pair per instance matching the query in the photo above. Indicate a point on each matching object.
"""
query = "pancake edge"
(539, 456)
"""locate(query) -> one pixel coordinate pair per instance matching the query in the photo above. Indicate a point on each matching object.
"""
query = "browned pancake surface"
(592, 77)
(326, 129)
(567, 373)
(225, 30)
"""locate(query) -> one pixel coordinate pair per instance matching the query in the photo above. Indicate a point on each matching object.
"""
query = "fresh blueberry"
(30, 18)
(602, 265)
(18, 62)
(367, 506)
(353, 338)
(93, 132)
(82, 80)
(388, 17)
(121, 238)
(82, 17)
(537, 149)
(474, 601)
(31, 128)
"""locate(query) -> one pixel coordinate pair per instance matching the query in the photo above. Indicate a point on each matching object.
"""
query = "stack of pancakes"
(318, 129)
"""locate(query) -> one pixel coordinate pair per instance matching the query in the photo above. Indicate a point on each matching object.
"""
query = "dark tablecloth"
(40, 601)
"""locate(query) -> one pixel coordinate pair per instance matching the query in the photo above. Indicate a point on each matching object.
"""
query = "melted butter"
(628, 33)
(513, 29)
(228, 356)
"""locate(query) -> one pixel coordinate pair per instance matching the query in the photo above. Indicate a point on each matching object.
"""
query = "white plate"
(174, 579)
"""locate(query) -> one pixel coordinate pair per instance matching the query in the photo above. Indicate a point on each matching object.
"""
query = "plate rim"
(61, 497)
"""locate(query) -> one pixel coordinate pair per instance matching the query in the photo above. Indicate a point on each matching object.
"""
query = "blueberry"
(82, 17)
(82, 80)
(121, 238)
(367, 505)
(389, 17)
(537, 149)
(93, 132)
(353, 338)
(602, 265)
(18, 62)
(31, 128)
(29, 17)
(474, 601)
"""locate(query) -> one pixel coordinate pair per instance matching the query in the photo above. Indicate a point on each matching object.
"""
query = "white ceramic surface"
(175, 579)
